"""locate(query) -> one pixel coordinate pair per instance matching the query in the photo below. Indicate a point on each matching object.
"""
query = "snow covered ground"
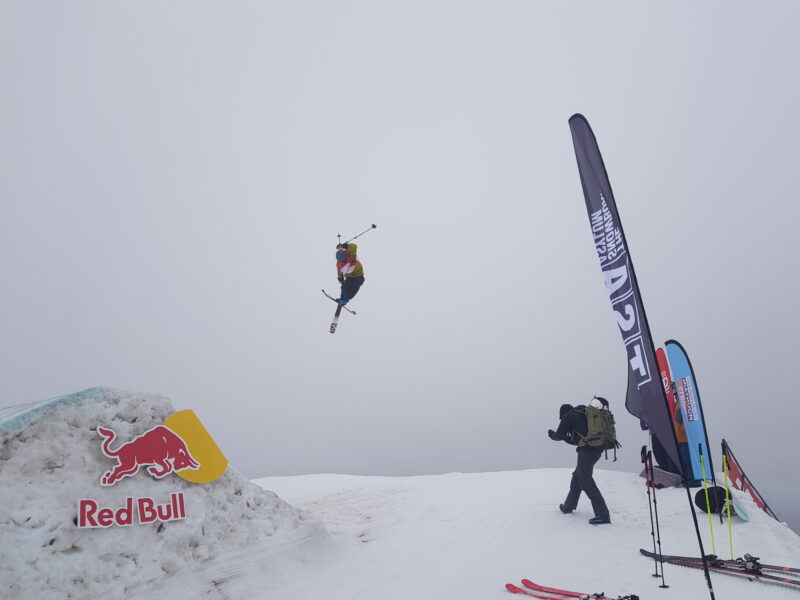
(50, 458)
(333, 537)
(464, 536)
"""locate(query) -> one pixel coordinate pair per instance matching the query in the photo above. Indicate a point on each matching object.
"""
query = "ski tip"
(514, 589)
(578, 117)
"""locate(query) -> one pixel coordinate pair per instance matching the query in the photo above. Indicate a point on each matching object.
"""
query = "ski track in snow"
(465, 535)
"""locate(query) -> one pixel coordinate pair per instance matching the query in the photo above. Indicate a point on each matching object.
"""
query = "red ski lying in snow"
(535, 590)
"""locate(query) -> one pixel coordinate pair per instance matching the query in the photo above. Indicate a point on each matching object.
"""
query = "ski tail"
(335, 322)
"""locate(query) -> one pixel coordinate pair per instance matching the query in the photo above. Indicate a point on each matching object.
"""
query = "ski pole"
(655, 509)
(727, 500)
(708, 503)
(370, 228)
(650, 506)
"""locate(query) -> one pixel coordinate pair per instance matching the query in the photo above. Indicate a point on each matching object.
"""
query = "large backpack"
(601, 431)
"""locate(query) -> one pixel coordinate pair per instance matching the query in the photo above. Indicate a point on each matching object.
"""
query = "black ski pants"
(350, 287)
(582, 481)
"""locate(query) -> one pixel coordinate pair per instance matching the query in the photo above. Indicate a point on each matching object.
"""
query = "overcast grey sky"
(173, 176)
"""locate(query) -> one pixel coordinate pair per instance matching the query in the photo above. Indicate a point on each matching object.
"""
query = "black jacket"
(573, 426)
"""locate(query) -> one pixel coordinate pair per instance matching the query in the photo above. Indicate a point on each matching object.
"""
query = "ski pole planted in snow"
(727, 500)
(655, 509)
(648, 483)
(708, 502)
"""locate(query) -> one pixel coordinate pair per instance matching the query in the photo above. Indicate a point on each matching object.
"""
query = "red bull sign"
(141, 511)
(159, 449)
(181, 446)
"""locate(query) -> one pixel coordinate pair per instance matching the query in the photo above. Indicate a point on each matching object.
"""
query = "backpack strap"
(581, 438)
(577, 437)
(616, 445)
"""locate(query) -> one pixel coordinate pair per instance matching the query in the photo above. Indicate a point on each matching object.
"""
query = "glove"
(552, 434)
(341, 279)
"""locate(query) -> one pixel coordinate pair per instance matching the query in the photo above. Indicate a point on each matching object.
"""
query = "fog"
(173, 177)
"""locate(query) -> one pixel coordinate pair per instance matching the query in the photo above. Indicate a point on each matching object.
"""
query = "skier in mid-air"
(349, 271)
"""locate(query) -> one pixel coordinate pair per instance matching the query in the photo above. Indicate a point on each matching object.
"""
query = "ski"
(745, 563)
(339, 307)
(766, 577)
(352, 312)
(335, 322)
(740, 571)
(541, 591)
(542, 595)
(535, 586)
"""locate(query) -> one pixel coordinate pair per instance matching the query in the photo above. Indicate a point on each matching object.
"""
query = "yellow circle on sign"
(201, 445)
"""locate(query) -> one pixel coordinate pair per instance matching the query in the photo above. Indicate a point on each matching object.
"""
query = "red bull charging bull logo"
(159, 449)
(181, 446)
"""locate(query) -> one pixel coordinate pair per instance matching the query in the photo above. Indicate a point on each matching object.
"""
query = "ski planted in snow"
(535, 590)
(751, 569)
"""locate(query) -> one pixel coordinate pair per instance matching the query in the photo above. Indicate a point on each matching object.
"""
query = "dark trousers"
(582, 481)
(350, 287)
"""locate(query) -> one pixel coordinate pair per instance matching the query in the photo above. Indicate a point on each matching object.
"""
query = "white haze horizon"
(173, 178)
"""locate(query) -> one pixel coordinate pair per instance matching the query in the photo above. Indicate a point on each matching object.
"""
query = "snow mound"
(50, 458)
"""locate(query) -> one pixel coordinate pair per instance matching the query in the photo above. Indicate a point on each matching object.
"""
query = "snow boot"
(564, 509)
(599, 520)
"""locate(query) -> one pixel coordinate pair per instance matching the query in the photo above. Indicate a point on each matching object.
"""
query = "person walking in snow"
(572, 429)
(349, 271)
